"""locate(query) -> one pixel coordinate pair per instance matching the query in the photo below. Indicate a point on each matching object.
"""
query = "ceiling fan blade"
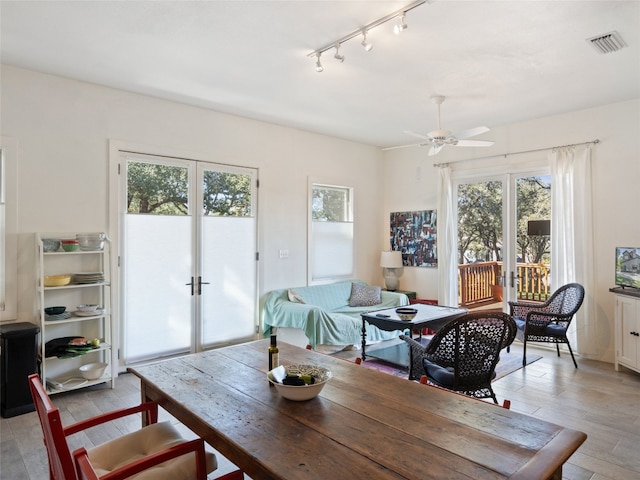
(473, 143)
(416, 134)
(472, 132)
(403, 146)
(434, 150)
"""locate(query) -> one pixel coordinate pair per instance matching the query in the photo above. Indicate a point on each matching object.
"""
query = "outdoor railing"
(481, 283)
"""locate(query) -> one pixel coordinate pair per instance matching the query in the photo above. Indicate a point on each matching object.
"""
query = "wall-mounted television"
(628, 267)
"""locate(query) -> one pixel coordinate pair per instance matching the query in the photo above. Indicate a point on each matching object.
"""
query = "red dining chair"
(156, 451)
(87, 472)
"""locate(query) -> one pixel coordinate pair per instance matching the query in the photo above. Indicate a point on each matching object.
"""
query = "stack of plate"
(96, 312)
(95, 277)
(60, 316)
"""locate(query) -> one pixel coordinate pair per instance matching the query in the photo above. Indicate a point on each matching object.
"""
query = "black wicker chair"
(548, 322)
(462, 356)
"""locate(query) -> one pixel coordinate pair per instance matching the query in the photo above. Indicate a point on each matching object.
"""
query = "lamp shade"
(391, 259)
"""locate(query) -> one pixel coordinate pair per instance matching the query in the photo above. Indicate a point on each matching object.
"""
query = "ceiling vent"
(607, 43)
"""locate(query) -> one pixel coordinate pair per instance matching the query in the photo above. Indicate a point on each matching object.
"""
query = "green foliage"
(480, 229)
(164, 190)
(226, 194)
(329, 204)
(480, 222)
(158, 189)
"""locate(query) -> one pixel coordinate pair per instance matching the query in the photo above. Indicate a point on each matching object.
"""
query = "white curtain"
(572, 237)
(447, 251)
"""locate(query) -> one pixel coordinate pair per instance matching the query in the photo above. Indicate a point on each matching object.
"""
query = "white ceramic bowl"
(93, 371)
(300, 393)
(91, 241)
(88, 307)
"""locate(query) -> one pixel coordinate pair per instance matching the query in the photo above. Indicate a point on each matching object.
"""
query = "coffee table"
(429, 316)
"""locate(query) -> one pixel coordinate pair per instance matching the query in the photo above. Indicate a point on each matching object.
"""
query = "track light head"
(319, 67)
(400, 26)
(367, 46)
(337, 56)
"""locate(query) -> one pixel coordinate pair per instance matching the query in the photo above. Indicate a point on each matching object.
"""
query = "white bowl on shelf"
(93, 371)
(91, 241)
(87, 307)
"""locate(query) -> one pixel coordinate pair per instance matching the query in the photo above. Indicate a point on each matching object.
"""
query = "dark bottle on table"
(274, 361)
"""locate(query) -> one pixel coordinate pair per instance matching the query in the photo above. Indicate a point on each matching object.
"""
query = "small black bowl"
(54, 310)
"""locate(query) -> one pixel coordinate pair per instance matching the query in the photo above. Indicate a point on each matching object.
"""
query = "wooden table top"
(364, 423)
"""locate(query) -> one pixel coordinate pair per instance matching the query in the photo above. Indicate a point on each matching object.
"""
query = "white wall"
(616, 175)
(63, 127)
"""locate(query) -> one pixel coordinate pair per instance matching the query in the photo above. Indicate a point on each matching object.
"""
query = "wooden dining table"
(364, 424)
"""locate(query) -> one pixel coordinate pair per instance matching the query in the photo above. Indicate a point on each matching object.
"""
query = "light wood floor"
(594, 398)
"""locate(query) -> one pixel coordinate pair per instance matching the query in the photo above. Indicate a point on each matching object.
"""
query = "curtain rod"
(505, 155)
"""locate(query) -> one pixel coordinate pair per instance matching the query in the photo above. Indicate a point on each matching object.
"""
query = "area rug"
(509, 363)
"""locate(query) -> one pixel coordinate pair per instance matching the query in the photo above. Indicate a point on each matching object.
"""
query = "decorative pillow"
(294, 297)
(364, 295)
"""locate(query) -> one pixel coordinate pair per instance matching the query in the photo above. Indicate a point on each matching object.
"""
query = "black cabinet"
(18, 344)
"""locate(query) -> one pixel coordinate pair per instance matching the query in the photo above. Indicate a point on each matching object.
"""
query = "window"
(331, 240)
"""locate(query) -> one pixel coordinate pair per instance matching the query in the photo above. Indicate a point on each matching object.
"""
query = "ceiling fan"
(439, 138)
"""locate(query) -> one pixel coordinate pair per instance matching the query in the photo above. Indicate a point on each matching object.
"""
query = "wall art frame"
(415, 233)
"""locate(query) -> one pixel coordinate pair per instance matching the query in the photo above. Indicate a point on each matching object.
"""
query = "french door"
(189, 266)
(503, 239)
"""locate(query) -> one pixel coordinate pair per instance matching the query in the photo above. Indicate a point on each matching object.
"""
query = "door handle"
(514, 279)
(200, 283)
(192, 285)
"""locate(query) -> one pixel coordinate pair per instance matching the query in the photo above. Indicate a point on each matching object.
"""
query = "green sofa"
(323, 313)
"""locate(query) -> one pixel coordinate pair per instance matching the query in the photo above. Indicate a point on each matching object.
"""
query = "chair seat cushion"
(440, 375)
(443, 376)
(553, 329)
(141, 443)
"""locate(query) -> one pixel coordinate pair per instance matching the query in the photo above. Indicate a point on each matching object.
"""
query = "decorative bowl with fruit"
(299, 382)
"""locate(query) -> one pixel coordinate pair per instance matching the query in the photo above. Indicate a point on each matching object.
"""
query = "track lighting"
(367, 46)
(364, 30)
(400, 26)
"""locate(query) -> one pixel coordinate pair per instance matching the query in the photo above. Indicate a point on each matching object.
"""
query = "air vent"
(607, 43)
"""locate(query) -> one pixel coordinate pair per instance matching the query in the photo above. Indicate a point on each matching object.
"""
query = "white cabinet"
(90, 284)
(627, 330)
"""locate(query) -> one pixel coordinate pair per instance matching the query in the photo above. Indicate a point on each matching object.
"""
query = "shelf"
(77, 285)
(102, 348)
(75, 385)
(74, 319)
(77, 252)
(96, 325)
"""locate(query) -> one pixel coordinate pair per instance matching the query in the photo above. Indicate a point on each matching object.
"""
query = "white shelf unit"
(54, 370)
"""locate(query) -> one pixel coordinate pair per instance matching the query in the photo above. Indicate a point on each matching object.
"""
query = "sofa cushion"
(294, 296)
(364, 295)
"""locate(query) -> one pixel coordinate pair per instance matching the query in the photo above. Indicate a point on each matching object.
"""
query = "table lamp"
(392, 269)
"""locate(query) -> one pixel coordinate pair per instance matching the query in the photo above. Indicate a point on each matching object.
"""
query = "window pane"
(332, 254)
(330, 204)
(157, 311)
(226, 194)
(331, 241)
(229, 268)
(157, 189)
